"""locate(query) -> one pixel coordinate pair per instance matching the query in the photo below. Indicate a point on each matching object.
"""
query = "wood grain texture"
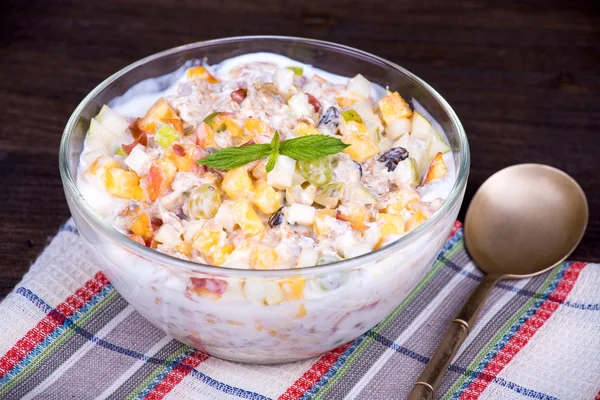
(522, 76)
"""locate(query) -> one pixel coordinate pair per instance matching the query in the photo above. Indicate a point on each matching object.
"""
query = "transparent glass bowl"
(324, 306)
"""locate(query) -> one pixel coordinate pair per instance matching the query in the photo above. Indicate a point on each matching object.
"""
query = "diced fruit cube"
(330, 194)
(121, 183)
(183, 156)
(159, 178)
(299, 105)
(267, 199)
(101, 165)
(225, 121)
(205, 136)
(361, 146)
(160, 113)
(167, 234)
(112, 120)
(281, 175)
(371, 120)
(346, 99)
(352, 213)
(139, 160)
(99, 136)
(400, 199)
(142, 225)
(138, 239)
(359, 86)
(437, 169)
(437, 145)
(415, 221)
(390, 224)
(237, 184)
(256, 126)
(296, 194)
(406, 173)
(356, 250)
(184, 248)
(207, 287)
(273, 293)
(211, 243)
(283, 79)
(300, 214)
(165, 135)
(199, 72)
(293, 288)
(308, 257)
(304, 129)
(320, 225)
(263, 257)
(398, 128)
(358, 194)
(245, 216)
(394, 107)
(225, 217)
(421, 128)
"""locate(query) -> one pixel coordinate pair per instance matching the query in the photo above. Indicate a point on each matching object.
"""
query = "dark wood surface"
(523, 76)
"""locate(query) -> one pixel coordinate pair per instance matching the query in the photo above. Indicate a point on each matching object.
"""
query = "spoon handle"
(432, 375)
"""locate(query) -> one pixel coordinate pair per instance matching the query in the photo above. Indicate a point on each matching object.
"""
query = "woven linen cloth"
(67, 334)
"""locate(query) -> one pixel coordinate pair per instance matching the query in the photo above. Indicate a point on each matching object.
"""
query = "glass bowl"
(320, 307)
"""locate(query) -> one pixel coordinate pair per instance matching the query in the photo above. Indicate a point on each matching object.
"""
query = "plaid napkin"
(67, 334)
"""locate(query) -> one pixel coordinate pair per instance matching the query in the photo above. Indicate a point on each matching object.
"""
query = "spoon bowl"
(523, 220)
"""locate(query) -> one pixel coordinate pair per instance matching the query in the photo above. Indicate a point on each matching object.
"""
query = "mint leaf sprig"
(303, 148)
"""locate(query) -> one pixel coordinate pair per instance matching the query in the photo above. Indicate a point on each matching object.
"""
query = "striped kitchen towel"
(67, 334)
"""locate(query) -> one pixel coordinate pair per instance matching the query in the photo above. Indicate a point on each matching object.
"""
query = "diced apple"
(437, 145)
(356, 250)
(421, 127)
(358, 194)
(393, 107)
(437, 169)
(224, 215)
(308, 257)
(321, 225)
(168, 235)
(99, 135)
(273, 293)
(359, 86)
(398, 200)
(159, 178)
(283, 79)
(199, 72)
(406, 173)
(300, 214)
(398, 128)
(370, 119)
(112, 120)
(281, 175)
(299, 105)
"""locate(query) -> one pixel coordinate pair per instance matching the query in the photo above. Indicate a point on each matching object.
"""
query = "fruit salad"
(261, 166)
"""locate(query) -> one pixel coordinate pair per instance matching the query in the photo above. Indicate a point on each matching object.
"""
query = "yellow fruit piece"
(226, 121)
(142, 226)
(267, 199)
(263, 257)
(205, 136)
(346, 100)
(256, 126)
(393, 107)
(361, 146)
(237, 184)
(122, 183)
(199, 72)
(416, 220)
(320, 227)
(352, 213)
(400, 199)
(184, 248)
(247, 219)
(183, 163)
(390, 224)
(304, 129)
(160, 113)
(301, 312)
(212, 245)
(293, 289)
(437, 169)
(101, 165)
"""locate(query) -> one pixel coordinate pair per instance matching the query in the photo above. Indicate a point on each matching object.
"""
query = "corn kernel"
(267, 199)
(245, 216)
(237, 184)
(393, 107)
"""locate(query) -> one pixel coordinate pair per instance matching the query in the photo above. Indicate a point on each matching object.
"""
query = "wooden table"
(524, 79)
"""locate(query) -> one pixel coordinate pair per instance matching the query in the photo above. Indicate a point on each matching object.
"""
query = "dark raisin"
(330, 119)
(360, 170)
(276, 219)
(239, 95)
(392, 157)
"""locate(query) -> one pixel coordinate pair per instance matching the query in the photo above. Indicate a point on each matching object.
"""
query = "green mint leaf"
(274, 152)
(310, 147)
(235, 157)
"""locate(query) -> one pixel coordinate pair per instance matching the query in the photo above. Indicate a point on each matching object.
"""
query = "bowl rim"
(99, 224)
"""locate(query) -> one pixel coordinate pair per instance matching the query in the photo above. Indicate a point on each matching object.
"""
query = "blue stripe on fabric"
(69, 322)
(59, 330)
(69, 228)
(513, 330)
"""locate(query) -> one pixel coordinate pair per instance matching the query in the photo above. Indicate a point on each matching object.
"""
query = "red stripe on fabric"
(313, 374)
(51, 321)
(524, 334)
(176, 375)
(597, 396)
(457, 225)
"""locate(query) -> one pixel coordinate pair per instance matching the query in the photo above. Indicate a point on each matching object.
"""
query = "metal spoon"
(524, 220)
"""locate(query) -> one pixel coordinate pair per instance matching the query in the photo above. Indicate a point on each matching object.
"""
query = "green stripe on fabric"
(58, 342)
(500, 334)
(438, 265)
(157, 371)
